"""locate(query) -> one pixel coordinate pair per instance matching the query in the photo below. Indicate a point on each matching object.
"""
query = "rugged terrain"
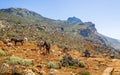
(95, 65)
(73, 34)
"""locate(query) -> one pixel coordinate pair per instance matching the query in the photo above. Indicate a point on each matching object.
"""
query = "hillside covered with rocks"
(68, 41)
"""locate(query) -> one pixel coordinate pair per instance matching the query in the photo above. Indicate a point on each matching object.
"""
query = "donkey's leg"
(15, 43)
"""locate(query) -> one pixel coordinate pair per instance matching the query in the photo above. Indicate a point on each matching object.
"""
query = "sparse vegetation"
(18, 60)
(53, 64)
(40, 28)
(2, 53)
(10, 35)
(73, 67)
(68, 61)
(86, 73)
(81, 64)
(60, 34)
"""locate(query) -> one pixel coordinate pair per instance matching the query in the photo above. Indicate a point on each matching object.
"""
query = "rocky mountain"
(74, 20)
(114, 43)
(19, 22)
(21, 12)
(23, 16)
(69, 39)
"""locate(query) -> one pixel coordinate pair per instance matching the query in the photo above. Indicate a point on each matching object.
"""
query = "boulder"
(28, 72)
(4, 68)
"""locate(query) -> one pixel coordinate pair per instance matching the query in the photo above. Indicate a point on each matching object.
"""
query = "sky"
(105, 14)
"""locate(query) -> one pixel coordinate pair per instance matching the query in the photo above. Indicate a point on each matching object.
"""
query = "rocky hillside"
(27, 59)
(19, 22)
(114, 43)
(68, 39)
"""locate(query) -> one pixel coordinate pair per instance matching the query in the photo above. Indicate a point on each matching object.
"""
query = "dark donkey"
(87, 53)
(16, 40)
(44, 44)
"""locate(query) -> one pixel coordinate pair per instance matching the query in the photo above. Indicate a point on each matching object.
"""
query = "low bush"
(18, 60)
(52, 64)
(68, 61)
(27, 62)
(85, 73)
(10, 35)
(2, 53)
(81, 64)
(73, 67)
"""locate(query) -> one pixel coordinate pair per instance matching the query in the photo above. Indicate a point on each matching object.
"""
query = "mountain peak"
(20, 11)
(74, 19)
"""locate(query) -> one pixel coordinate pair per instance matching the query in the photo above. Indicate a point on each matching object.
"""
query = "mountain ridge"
(68, 41)
(85, 30)
(20, 11)
(74, 19)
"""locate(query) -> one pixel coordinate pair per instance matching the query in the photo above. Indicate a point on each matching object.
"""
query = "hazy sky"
(105, 14)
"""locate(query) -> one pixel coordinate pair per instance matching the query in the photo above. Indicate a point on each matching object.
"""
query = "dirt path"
(113, 68)
(108, 71)
(116, 65)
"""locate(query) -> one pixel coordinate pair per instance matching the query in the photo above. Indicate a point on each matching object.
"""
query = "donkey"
(17, 40)
(87, 53)
(47, 46)
(44, 45)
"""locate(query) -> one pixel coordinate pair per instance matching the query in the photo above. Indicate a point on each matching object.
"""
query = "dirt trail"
(113, 67)
(108, 71)
(116, 65)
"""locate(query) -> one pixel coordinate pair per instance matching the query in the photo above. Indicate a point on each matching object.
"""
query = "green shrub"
(13, 60)
(85, 73)
(18, 60)
(68, 61)
(40, 28)
(10, 35)
(81, 64)
(27, 62)
(52, 64)
(73, 67)
(2, 53)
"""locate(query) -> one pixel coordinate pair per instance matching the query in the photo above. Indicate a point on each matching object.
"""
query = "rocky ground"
(95, 65)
